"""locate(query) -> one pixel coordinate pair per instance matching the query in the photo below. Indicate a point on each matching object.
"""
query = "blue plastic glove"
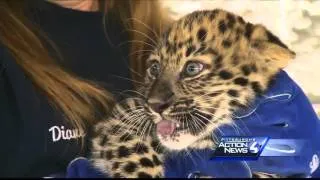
(197, 163)
(82, 168)
(284, 112)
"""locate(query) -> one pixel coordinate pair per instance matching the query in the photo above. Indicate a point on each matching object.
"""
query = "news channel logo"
(251, 148)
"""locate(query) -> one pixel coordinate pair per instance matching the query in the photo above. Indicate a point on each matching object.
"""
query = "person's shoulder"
(3, 55)
(2, 47)
(7, 61)
(9, 68)
(2, 50)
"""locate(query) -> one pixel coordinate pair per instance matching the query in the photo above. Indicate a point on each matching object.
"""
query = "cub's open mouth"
(167, 128)
(174, 135)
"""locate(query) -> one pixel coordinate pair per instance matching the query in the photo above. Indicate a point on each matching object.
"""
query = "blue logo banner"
(251, 148)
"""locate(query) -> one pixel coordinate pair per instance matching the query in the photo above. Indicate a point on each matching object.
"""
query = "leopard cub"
(207, 66)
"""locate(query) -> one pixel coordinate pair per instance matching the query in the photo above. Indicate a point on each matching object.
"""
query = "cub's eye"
(154, 69)
(193, 68)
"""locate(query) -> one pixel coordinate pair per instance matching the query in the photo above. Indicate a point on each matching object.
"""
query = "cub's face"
(206, 67)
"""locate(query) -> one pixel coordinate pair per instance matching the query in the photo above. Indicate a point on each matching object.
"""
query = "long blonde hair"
(76, 98)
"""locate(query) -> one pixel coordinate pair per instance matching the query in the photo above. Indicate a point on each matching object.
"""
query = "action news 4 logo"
(240, 148)
(251, 148)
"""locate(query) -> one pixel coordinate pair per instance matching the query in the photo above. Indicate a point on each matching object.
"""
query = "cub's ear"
(270, 48)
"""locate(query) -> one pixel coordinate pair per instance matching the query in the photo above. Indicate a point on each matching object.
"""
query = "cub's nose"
(159, 106)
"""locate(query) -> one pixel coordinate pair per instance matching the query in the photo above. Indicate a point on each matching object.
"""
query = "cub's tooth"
(177, 125)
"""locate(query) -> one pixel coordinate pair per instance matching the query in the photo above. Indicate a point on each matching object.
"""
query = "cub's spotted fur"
(208, 66)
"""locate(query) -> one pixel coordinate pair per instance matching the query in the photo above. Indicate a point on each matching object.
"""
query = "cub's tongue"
(165, 127)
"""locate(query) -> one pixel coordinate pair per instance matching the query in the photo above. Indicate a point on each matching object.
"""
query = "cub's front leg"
(123, 145)
(126, 155)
